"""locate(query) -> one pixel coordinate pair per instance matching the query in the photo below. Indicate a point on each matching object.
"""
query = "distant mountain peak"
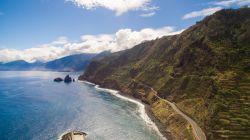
(75, 62)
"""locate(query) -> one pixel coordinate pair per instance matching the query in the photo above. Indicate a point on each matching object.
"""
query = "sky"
(43, 30)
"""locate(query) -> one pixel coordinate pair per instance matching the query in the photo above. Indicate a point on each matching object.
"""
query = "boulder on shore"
(67, 79)
(58, 79)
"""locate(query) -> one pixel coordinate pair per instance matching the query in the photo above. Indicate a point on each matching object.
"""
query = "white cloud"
(148, 14)
(118, 6)
(216, 6)
(227, 3)
(201, 13)
(121, 40)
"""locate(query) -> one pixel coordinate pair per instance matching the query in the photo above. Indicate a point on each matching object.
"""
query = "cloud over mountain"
(216, 6)
(121, 40)
(228, 3)
(203, 12)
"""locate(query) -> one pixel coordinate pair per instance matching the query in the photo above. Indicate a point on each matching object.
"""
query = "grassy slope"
(204, 70)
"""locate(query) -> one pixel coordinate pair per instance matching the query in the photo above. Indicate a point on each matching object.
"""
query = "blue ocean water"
(33, 107)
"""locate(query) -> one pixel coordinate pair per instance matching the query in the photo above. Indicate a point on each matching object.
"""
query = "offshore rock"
(58, 79)
(67, 79)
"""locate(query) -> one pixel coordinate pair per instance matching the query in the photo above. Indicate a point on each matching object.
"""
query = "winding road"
(197, 131)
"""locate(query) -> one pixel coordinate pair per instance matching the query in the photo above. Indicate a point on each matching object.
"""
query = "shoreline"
(143, 109)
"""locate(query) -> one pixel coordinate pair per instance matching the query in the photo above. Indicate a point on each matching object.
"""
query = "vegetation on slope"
(205, 70)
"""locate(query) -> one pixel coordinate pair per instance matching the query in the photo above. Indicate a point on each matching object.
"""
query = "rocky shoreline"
(171, 124)
(148, 111)
(159, 125)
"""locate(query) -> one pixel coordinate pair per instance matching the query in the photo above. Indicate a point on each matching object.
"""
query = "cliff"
(205, 71)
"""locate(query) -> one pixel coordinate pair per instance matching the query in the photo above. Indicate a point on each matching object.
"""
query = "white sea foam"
(60, 137)
(89, 83)
(141, 107)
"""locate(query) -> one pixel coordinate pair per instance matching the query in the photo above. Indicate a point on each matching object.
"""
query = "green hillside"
(205, 70)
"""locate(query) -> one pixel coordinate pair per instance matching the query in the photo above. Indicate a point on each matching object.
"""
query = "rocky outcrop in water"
(67, 79)
(58, 79)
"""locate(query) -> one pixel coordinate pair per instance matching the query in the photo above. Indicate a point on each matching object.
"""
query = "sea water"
(33, 107)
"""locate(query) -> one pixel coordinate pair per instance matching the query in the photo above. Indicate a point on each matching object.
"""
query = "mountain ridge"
(204, 70)
(75, 62)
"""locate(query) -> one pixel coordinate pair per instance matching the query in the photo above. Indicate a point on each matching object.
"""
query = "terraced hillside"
(205, 71)
(232, 121)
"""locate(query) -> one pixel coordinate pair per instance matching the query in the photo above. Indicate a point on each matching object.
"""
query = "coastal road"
(197, 131)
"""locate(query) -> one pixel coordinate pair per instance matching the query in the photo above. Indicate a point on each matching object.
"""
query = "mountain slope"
(205, 70)
(21, 65)
(76, 62)
(70, 63)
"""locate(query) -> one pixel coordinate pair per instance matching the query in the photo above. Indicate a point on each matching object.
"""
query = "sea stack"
(58, 79)
(67, 79)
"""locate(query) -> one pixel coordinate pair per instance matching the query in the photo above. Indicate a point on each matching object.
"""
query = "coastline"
(143, 109)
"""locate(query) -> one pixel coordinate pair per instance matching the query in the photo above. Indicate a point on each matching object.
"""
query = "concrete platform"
(75, 135)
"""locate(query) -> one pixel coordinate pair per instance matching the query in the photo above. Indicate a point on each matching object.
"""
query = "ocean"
(33, 107)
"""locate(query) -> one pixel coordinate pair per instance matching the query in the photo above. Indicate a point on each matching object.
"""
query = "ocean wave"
(141, 106)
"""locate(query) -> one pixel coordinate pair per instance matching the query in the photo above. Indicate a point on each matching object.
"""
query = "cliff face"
(205, 70)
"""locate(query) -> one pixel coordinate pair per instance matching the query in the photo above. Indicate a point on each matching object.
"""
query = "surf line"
(141, 106)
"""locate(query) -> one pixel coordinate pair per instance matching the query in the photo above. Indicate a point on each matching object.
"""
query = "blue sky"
(26, 24)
